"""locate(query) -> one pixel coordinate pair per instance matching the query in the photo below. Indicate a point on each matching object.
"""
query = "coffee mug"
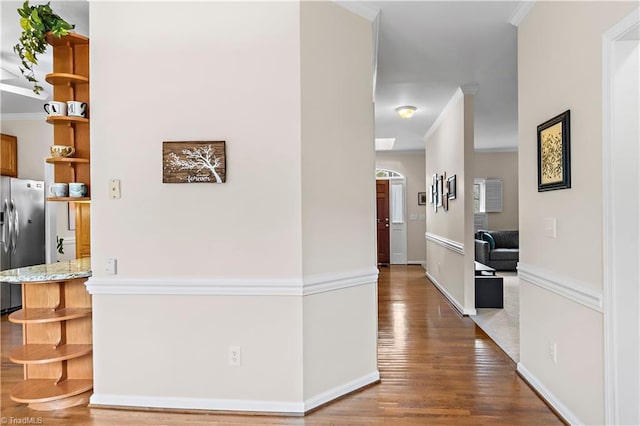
(59, 190)
(62, 150)
(76, 109)
(55, 108)
(77, 189)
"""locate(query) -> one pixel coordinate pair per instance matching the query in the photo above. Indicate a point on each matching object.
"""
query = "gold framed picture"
(554, 153)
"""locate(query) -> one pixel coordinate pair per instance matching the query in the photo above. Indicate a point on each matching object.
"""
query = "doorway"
(621, 210)
(391, 217)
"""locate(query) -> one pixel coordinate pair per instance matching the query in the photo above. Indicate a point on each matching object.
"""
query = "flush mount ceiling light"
(406, 111)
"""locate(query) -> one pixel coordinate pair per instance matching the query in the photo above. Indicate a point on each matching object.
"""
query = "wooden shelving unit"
(70, 81)
(57, 345)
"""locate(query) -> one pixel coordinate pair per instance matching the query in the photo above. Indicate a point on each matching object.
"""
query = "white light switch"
(550, 227)
(111, 266)
(114, 189)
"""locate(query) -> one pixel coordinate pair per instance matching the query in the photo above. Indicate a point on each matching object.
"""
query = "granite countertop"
(67, 270)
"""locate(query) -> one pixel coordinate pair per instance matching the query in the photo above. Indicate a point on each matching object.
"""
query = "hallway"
(436, 367)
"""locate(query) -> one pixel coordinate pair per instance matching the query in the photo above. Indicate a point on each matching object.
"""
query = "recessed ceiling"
(426, 50)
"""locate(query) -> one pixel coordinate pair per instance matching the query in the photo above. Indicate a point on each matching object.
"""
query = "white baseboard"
(341, 390)
(548, 396)
(452, 299)
(111, 400)
(213, 404)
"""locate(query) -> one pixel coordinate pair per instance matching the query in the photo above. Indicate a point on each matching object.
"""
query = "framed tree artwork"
(554, 153)
(422, 198)
(194, 162)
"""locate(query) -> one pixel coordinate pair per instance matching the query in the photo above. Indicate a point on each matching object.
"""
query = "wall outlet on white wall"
(235, 356)
(552, 352)
(550, 227)
(114, 189)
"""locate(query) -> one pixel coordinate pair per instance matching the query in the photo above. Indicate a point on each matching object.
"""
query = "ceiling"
(426, 50)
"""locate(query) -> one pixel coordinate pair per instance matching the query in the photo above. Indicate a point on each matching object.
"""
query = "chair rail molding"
(308, 285)
(445, 242)
(571, 289)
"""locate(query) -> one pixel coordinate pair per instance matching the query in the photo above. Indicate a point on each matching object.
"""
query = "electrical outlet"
(114, 189)
(235, 356)
(552, 352)
(549, 227)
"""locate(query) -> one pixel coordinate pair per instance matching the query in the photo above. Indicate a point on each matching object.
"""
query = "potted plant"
(36, 22)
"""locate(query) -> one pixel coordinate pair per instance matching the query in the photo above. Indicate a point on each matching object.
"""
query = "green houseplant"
(36, 21)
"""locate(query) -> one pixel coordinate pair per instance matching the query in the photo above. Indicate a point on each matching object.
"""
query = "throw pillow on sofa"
(489, 238)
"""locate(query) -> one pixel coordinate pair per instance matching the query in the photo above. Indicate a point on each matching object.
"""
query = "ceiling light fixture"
(406, 111)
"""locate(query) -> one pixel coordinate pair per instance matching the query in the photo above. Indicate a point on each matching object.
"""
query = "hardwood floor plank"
(437, 368)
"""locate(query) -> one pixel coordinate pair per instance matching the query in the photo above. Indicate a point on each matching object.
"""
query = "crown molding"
(368, 13)
(490, 150)
(457, 95)
(24, 116)
(521, 12)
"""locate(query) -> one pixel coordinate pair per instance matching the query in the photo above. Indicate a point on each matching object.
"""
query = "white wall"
(449, 149)
(35, 136)
(567, 35)
(412, 166)
(338, 193)
(202, 267)
(503, 166)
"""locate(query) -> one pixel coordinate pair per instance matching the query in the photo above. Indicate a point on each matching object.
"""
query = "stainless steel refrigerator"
(22, 232)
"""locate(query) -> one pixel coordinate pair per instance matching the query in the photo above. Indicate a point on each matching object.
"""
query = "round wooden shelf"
(42, 315)
(72, 199)
(44, 390)
(66, 160)
(66, 119)
(68, 40)
(42, 354)
(65, 78)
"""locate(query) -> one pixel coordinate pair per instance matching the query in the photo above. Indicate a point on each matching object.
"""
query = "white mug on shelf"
(77, 189)
(59, 190)
(76, 108)
(55, 108)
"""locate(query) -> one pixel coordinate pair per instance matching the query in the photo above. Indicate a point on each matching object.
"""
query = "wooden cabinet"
(57, 345)
(9, 156)
(70, 81)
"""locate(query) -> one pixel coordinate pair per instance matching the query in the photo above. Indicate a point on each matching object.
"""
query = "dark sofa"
(504, 256)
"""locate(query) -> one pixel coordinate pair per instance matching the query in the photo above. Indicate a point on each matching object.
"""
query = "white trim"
(415, 262)
(366, 12)
(504, 149)
(609, 38)
(232, 287)
(452, 299)
(457, 95)
(548, 396)
(24, 116)
(338, 391)
(522, 10)
(329, 282)
(111, 400)
(445, 242)
(470, 89)
(214, 404)
(571, 289)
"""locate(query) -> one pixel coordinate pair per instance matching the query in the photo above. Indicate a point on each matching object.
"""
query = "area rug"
(503, 325)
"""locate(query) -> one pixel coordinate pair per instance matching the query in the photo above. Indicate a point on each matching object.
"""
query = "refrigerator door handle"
(16, 227)
(6, 226)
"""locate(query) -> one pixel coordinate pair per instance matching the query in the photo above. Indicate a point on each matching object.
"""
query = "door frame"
(401, 229)
(613, 289)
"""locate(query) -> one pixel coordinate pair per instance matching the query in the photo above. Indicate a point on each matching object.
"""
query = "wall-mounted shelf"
(70, 39)
(72, 199)
(66, 119)
(66, 78)
(66, 160)
(42, 354)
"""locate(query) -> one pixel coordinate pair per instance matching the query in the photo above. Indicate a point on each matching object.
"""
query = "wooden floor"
(436, 367)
